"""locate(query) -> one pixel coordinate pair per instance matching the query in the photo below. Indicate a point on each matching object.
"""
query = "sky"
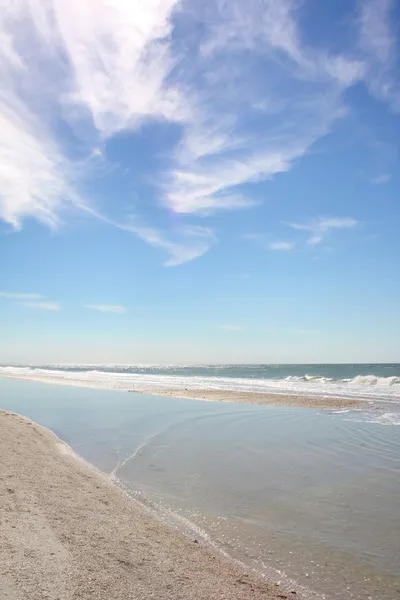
(191, 181)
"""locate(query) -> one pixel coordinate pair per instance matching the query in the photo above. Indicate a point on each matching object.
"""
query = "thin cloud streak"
(322, 226)
(385, 178)
(284, 246)
(262, 240)
(195, 242)
(107, 308)
(184, 244)
(42, 305)
(378, 40)
(20, 296)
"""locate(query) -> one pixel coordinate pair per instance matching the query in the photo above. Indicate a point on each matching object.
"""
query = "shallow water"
(308, 493)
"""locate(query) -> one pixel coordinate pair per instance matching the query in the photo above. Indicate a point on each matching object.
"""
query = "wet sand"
(214, 395)
(68, 533)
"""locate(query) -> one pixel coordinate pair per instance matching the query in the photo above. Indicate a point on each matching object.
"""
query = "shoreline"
(215, 395)
(68, 532)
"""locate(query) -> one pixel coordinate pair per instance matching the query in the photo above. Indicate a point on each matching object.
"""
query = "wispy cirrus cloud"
(42, 305)
(281, 246)
(182, 243)
(379, 42)
(247, 93)
(32, 182)
(20, 296)
(107, 308)
(265, 242)
(118, 59)
(102, 77)
(31, 300)
(320, 227)
(192, 242)
(385, 178)
(225, 145)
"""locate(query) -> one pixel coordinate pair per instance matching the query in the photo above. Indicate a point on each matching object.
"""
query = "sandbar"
(214, 395)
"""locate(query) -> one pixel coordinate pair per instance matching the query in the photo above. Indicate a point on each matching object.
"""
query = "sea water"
(305, 494)
(367, 381)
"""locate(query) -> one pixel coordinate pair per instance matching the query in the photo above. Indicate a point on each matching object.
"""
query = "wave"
(386, 418)
(374, 380)
(358, 380)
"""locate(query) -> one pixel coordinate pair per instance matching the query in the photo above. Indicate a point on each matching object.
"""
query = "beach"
(289, 492)
(213, 395)
(67, 532)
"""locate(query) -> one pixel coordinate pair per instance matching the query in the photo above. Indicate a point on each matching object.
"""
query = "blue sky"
(191, 181)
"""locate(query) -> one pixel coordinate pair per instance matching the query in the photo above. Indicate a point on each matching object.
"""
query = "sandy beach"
(68, 533)
(214, 395)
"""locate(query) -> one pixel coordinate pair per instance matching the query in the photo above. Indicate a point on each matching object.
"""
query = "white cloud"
(281, 246)
(118, 57)
(123, 65)
(376, 36)
(34, 179)
(322, 226)
(109, 308)
(20, 296)
(233, 328)
(183, 244)
(110, 68)
(32, 172)
(378, 41)
(385, 178)
(262, 240)
(105, 66)
(31, 300)
(194, 242)
(218, 154)
(42, 305)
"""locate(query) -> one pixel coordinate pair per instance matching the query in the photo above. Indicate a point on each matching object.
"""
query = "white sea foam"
(382, 418)
(369, 387)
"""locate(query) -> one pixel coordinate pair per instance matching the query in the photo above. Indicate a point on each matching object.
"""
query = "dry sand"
(67, 533)
(253, 397)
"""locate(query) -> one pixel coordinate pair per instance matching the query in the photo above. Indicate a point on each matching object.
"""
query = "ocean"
(369, 381)
(304, 495)
(377, 384)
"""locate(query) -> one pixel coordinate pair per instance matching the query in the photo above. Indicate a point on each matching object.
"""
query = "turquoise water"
(301, 493)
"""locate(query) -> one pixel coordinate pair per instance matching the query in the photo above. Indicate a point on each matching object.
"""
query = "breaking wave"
(358, 380)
